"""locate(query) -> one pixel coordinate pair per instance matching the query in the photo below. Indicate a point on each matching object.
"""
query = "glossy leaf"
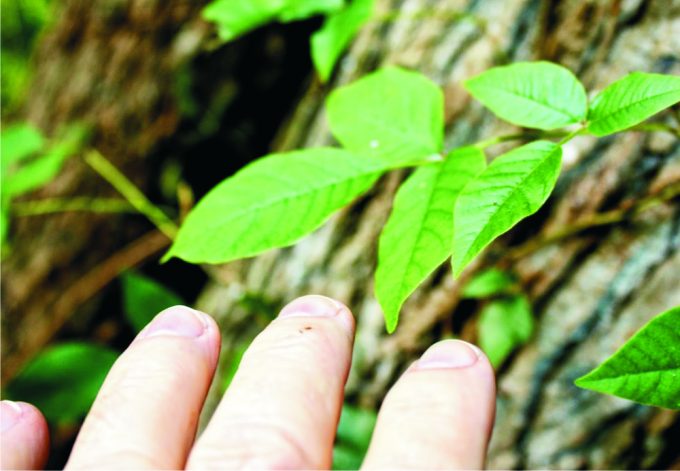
(63, 380)
(417, 236)
(539, 95)
(631, 100)
(329, 42)
(491, 282)
(514, 186)
(646, 369)
(143, 298)
(504, 325)
(273, 202)
(394, 113)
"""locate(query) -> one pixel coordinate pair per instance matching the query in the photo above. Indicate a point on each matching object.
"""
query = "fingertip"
(315, 305)
(25, 436)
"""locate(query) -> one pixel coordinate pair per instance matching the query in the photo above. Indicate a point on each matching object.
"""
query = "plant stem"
(79, 203)
(131, 193)
(519, 137)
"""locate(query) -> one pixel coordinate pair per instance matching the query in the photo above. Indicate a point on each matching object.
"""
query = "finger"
(283, 405)
(439, 414)
(25, 436)
(146, 412)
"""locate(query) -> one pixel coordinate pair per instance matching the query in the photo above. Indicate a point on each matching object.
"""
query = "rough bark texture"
(590, 291)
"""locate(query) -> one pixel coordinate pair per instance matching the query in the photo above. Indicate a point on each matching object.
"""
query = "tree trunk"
(590, 289)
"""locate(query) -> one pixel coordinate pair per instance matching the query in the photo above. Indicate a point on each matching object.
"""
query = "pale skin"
(281, 410)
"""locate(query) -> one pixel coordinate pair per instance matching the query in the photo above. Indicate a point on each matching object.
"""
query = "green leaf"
(631, 100)
(295, 10)
(329, 42)
(143, 298)
(353, 437)
(63, 380)
(417, 236)
(237, 17)
(273, 202)
(18, 142)
(38, 171)
(491, 282)
(393, 113)
(646, 369)
(504, 325)
(539, 95)
(514, 186)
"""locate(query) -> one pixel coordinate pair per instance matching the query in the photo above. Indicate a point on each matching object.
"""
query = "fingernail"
(318, 306)
(10, 414)
(449, 354)
(178, 321)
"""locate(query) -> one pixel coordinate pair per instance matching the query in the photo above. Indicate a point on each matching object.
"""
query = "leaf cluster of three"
(452, 205)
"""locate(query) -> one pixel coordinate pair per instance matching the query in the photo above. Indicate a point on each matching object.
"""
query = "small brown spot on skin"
(308, 328)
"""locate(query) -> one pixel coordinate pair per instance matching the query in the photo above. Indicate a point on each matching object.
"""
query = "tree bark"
(590, 290)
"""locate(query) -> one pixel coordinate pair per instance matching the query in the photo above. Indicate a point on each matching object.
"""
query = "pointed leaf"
(503, 326)
(417, 236)
(539, 95)
(329, 42)
(63, 380)
(646, 369)
(143, 298)
(491, 282)
(631, 100)
(273, 202)
(393, 113)
(514, 186)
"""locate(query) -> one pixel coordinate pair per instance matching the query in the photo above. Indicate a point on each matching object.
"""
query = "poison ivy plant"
(63, 380)
(401, 116)
(504, 324)
(539, 95)
(417, 237)
(646, 369)
(343, 20)
(143, 298)
(513, 187)
(454, 206)
(273, 202)
(630, 101)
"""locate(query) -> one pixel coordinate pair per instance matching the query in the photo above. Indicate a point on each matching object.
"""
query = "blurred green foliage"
(353, 437)
(63, 380)
(143, 298)
(20, 25)
(487, 283)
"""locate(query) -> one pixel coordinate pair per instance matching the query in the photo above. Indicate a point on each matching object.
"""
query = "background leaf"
(63, 380)
(353, 437)
(512, 187)
(539, 95)
(631, 100)
(488, 283)
(237, 17)
(393, 113)
(331, 40)
(504, 325)
(143, 298)
(273, 202)
(18, 142)
(417, 236)
(646, 369)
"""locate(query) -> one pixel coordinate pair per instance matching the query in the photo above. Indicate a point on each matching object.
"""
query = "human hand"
(281, 410)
